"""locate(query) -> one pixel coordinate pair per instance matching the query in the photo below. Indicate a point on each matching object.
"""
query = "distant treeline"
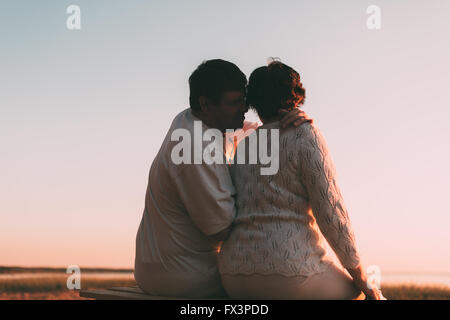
(58, 270)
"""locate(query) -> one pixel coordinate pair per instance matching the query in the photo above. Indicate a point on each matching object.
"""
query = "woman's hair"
(274, 87)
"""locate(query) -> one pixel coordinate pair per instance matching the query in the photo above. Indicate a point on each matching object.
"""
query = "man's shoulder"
(182, 120)
(185, 146)
(179, 122)
(185, 121)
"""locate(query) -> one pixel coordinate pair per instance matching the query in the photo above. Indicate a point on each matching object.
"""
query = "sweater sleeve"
(208, 195)
(318, 175)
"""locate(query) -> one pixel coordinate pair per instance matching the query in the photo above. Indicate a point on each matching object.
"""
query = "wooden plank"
(137, 290)
(133, 289)
(105, 294)
(129, 293)
(135, 293)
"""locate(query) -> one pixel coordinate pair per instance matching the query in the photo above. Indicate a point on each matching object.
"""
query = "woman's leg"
(262, 286)
(332, 284)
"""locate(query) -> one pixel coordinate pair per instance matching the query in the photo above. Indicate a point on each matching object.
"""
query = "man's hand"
(294, 117)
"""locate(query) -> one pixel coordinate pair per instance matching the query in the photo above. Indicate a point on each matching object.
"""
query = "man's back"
(184, 204)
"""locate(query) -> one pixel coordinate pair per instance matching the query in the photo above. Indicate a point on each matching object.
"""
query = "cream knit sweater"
(280, 217)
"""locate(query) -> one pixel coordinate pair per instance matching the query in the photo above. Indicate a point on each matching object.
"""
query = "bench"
(135, 293)
(128, 293)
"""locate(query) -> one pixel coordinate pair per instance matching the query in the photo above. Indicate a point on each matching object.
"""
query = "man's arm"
(221, 235)
(207, 194)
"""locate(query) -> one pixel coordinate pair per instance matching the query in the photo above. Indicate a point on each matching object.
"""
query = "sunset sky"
(83, 113)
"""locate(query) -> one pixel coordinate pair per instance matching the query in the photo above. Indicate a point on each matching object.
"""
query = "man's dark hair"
(212, 78)
(274, 87)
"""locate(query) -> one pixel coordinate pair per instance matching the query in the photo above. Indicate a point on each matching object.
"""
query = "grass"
(57, 284)
(50, 283)
(55, 288)
(415, 292)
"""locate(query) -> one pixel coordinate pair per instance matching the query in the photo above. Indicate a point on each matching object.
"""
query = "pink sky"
(82, 114)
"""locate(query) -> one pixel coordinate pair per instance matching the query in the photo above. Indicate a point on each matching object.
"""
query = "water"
(417, 279)
(85, 275)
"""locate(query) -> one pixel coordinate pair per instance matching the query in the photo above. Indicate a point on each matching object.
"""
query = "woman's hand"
(294, 117)
(360, 281)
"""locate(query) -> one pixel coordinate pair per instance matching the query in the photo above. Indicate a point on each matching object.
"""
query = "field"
(53, 288)
(415, 292)
(51, 284)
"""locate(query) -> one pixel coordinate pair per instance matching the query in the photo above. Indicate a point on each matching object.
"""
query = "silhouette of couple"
(221, 229)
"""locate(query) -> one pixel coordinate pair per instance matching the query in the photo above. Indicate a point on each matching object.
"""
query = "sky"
(83, 114)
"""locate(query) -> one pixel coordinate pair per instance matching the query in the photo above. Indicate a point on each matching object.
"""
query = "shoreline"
(19, 269)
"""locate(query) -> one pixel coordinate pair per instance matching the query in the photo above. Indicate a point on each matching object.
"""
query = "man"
(189, 208)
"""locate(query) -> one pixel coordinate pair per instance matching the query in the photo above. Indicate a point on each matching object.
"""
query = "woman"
(276, 247)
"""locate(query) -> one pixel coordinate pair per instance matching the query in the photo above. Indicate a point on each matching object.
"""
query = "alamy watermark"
(373, 277)
(374, 20)
(73, 22)
(74, 280)
(256, 153)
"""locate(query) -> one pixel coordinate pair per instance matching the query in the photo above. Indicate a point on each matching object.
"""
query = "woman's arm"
(318, 175)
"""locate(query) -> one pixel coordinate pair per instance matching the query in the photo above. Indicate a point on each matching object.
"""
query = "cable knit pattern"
(280, 217)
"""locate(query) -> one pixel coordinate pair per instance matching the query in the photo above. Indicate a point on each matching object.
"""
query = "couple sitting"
(216, 230)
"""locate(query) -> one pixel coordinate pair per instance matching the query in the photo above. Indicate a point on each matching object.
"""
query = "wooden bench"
(128, 293)
(135, 293)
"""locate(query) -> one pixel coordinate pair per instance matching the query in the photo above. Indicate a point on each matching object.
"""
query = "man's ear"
(204, 104)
